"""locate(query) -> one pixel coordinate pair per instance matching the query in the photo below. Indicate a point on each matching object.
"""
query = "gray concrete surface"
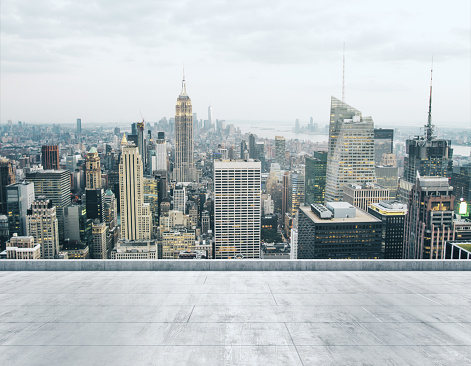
(234, 265)
(235, 318)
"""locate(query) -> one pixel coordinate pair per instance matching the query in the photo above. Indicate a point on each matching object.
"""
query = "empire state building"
(184, 170)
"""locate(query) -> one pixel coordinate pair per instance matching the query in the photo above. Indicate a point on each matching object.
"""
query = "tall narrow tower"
(131, 190)
(350, 156)
(184, 166)
(93, 169)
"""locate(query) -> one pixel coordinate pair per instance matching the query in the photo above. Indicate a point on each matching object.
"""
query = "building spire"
(429, 127)
(343, 74)
(183, 83)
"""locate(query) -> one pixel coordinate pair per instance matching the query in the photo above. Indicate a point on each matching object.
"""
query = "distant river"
(269, 130)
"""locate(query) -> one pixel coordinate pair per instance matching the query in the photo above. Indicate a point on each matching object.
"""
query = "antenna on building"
(343, 74)
(183, 82)
(429, 127)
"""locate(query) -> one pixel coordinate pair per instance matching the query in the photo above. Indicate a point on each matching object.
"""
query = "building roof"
(234, 318)
(360, 217)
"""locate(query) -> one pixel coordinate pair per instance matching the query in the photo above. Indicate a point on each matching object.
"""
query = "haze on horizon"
(105, 61)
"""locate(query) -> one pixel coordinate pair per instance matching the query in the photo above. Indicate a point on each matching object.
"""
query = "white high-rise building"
(179, 199)
(351, 157)
(134, 216)
(43, 225)
(161, 152)
(237, 206)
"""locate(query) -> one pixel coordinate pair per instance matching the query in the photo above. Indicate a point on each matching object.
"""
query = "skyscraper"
(237, 207)
(425, 155)
(315, 175)
(210, 118)
(131, 187)
(79, 129)
(94, 194)
(7, 177)
(429, 220)
(20, 196)
(280, 151)
(42, 224)
(93, 169)
(350, 156)
(252, 151)
(384, 140)
(184, 167)
(392, 213)
(55, 186)
(50, 157)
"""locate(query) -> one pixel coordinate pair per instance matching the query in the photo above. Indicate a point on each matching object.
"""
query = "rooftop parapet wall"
(234, 265)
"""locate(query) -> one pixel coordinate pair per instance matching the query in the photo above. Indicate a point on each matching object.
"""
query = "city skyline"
(63, 62)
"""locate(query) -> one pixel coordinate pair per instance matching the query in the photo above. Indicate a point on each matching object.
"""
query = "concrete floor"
(235, 318)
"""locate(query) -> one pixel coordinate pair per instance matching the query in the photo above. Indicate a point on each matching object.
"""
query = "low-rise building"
(135, 249)
(23, 247)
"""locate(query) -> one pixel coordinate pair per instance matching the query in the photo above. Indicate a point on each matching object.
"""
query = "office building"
(77, 227)
(179, 199)
(384, 143)
(337, 231)
(315, 175)
(20, 196)
(237, 209)
(184, 170)
(93, 170)
(392, 213)
(79, 126)
(387, 174)
(4, 232)
(362, 196)
(42, 223)
(429, 220)
(7, 177)
(55, 186)
(134, 213)
(350, 150)
(135, 249)
(252, 152)
(23, 247)
(99, 248)
(461, 183)
(296, 192)
(174, 242)
(280, 151)
(50, 157)
(94, 199)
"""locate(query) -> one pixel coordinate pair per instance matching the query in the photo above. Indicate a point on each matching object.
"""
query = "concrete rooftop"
(235, 318)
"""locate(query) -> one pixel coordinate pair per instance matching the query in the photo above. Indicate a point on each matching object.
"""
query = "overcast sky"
(262, 60)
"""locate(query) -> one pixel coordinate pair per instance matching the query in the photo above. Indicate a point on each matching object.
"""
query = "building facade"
(315, 177)
(55, 186)
(134, 214)
(392, 213)
(42, 224)
(184, 170)
(350, 150)
(362, 196)
(429, 220)
(50, 157)
(20, 197)
(237, 208)
(337, 231)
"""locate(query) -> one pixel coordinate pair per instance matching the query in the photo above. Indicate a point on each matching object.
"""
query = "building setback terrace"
(236, 317)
